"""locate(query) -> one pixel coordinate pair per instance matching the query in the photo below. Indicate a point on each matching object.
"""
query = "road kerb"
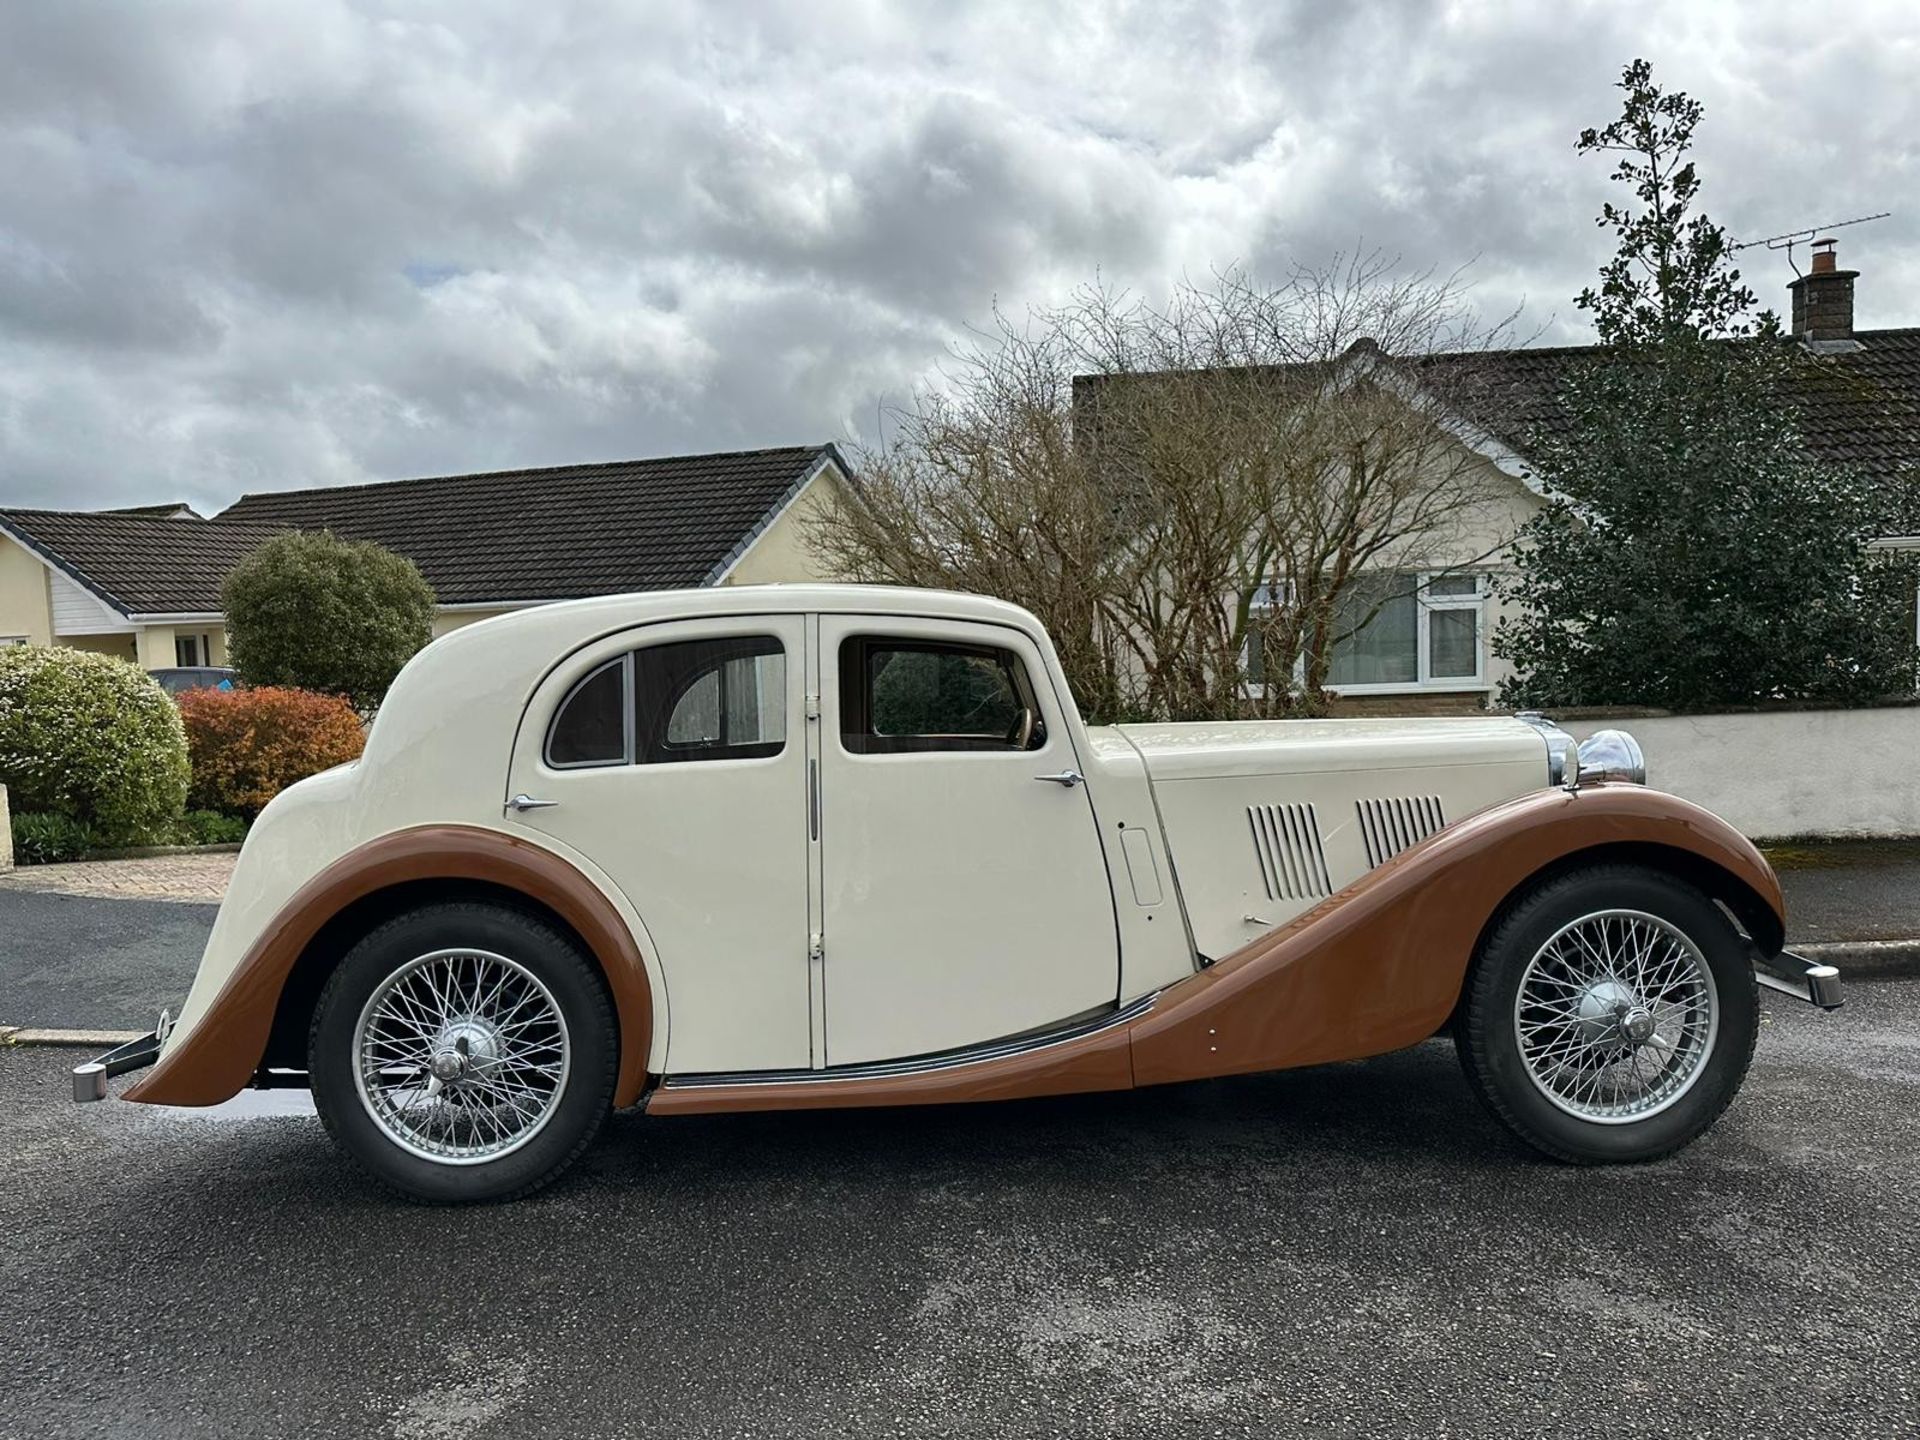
(1866, 957)
(78, 1039)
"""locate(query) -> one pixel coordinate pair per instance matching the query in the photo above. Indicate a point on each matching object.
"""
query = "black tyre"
(463, 1052)
(1610, 1016)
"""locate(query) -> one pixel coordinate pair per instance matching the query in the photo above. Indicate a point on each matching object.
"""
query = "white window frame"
(1425, 603)
(12, 640)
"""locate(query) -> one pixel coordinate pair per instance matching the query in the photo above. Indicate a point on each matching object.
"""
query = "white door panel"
(963, 899)
(711, 853)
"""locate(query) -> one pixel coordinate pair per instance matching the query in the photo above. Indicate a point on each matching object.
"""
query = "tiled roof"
(1859, 408)
(141, 564)
(562, 532)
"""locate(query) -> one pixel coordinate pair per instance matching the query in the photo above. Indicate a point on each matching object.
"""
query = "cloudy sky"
(251, 246)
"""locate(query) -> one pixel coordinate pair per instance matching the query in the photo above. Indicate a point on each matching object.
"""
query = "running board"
(1076, 1059)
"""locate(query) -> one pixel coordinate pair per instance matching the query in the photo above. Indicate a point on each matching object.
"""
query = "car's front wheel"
(1610, 1015)
(463, 1052)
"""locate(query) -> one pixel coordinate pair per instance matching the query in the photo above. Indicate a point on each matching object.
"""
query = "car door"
(964, 893)
(673, 757)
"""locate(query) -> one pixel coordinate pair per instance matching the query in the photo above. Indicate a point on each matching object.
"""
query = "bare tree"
(1141, 476)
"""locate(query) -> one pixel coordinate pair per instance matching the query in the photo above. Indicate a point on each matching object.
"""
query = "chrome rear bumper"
(1803, 979)
(90, 1079)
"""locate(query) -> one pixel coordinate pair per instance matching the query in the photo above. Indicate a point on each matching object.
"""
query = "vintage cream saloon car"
(788, 846)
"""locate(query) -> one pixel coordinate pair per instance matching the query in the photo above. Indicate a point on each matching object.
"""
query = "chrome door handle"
(1068, 778)
(524, 803)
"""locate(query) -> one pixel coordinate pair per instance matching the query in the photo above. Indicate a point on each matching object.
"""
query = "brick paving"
(194, 878)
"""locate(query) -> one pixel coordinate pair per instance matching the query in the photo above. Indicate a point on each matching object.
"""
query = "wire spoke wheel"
(461, 1056)
(1616, 1016)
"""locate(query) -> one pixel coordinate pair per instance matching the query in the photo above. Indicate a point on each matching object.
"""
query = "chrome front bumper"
(90, 1079)
(1803, 979)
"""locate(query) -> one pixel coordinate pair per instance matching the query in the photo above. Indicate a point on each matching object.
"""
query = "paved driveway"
(1354, 1250)
(193, 878)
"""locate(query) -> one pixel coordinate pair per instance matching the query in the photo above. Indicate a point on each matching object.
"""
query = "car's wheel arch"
(1754, 913)
(293, 1015)
(261, 1013)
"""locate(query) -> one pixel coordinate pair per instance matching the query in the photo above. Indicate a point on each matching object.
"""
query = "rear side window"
(722, 699)
(591, 726)
(901, 696)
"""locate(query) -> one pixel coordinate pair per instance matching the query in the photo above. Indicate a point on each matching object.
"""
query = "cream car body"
(693, 795)
(461, 735)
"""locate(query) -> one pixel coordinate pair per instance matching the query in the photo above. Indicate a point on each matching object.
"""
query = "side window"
(720, 699)
(710, 700)
(590, 727)
(901, 695)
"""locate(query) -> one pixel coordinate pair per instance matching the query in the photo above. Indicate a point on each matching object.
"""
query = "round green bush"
(90, 737)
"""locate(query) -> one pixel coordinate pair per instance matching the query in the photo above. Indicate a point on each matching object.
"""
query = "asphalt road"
(112, 964)
(1352, 1250)
(71, 961)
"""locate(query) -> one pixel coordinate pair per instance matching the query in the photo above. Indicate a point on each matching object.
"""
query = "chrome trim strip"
(1559, 745)
(918, 1065)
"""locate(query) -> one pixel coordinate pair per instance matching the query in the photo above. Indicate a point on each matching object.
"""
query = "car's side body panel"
(1267, 819)
(218, 1057)
(963, 898)
(1156, 947)
(1377, 966)
(686, 844)
(1380, 964)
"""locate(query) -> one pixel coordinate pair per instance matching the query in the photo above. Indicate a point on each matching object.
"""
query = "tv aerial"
(1792, 238)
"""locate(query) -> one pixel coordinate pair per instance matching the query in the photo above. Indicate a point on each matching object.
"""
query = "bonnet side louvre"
(1392, 823)
(1288, 849)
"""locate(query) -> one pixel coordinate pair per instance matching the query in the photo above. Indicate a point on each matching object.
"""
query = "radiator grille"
(1394, 822)
(1286, 839)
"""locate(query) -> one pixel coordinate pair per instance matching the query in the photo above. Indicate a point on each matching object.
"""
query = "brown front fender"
(1380, 964)
(219, 1056)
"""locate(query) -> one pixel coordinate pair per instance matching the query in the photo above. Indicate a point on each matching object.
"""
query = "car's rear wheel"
(463, 1052)
(1610, 1015)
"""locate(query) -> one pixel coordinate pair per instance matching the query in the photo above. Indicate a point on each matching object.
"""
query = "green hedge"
(93, 739)
(49, 839)
(210, 827)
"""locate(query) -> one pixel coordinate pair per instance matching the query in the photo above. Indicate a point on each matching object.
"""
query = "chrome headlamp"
(1612, 755)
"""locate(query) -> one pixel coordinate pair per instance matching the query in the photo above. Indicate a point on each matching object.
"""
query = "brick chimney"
(1823, 299)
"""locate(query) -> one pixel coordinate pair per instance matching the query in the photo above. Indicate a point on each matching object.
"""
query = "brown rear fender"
(1380, 964)
(219, 1056)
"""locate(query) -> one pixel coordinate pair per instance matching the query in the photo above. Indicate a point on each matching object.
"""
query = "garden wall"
(1773, 774)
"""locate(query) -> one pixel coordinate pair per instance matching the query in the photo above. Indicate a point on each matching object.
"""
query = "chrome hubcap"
(1616, 1016)
(461, 1056)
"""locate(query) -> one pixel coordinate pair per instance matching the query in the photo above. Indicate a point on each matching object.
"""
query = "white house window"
(190, 650)
(13, 639)
(1424, 630)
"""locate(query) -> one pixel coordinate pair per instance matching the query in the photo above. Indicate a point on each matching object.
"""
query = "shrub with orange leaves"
(248, 745)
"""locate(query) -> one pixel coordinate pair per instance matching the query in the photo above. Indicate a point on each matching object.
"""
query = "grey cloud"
(248, 247)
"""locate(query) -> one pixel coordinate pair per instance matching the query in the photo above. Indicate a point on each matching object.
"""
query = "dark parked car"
(178, 679)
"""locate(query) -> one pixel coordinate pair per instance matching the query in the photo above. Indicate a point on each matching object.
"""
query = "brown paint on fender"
(1380, 964)
(1375, 967)
(218, 1058)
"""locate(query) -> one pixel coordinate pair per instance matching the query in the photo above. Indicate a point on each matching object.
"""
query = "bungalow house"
(1427, 644)
(144, 584)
